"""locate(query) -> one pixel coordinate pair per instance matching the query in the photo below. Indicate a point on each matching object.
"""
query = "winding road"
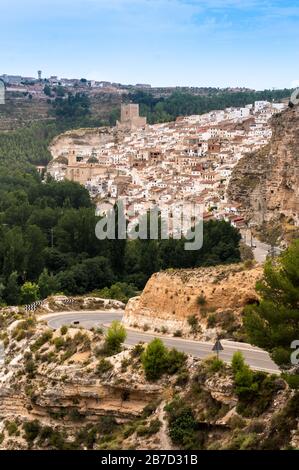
(260, 250)
(255, 357)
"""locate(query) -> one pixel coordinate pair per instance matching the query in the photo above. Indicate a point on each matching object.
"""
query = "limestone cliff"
(213, 295)
(266, 183)
(80, 140)
(58, 391)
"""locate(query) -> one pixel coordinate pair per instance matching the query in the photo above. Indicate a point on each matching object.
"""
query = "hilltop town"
(35, 85)
(189, 160)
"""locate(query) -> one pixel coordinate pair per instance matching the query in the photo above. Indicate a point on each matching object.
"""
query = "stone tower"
(130, 118)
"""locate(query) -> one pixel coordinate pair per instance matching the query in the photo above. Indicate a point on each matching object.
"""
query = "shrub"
(183, 378)
(244, 442)
(281, 426)
(107, 424)
(153, 427)
(149, 409)
(98, 331)
(193, 323)
(227, 321)
(115, 337)
(236, 422)
(59, 343)
(104, 366)
(182, 424)
(57, 441)
(292, 380)
(125, 364)
(248, 263)
(45, 433)
(238, 362)
(24, 329)
(212, 320)
(255, 390)
(30, 367)
(63, 330)
(154, 359)
(216, 365)
(11, 427)
(201, 300)
(86, 436)
(43, 339)
(76, 416)
(175, 361)
(157, 360)
(32, 429)
(280, 355)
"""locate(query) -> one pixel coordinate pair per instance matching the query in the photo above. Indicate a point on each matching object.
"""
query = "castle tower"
(130, 118)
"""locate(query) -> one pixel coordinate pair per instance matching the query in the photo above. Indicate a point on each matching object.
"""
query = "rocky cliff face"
(266, 183)
(81, 140)
(213, 295)
(53, 381)
(58, 391)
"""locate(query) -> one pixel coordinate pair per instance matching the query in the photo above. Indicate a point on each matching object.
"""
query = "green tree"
(14, 252)
(12, 290)
(255, 390)
(48, 284)
(182, 424)
(47, 91)
(155, 359)
(238, 362)
(115, 337)
(274, 323)
(119, 291)
(36, 242)
(29, 293)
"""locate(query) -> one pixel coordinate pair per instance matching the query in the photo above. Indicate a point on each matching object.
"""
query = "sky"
(221, 43)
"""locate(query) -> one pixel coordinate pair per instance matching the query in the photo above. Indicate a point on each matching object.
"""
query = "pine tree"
(274, 323)
(29, 292)
(48, 284)
(12, 291)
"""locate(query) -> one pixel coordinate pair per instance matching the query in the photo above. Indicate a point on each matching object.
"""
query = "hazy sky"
(163, 42)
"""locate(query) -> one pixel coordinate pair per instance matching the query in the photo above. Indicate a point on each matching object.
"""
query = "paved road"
(260, 250)
(87, 319)
(255, 357)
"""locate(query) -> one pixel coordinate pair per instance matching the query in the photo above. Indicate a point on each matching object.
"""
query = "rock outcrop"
(62, 303)
(266, 183)
(80, 140)
(58, 391)
(171, 297)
